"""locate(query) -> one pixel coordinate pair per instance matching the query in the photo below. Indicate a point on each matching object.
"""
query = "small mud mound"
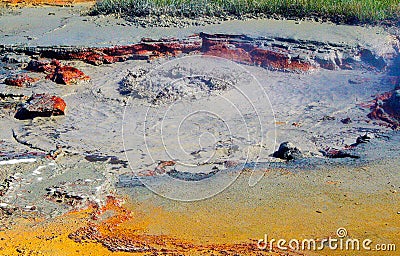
(173, 84)
(191, 87)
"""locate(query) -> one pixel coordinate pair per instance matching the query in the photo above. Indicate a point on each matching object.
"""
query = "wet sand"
(305, 205)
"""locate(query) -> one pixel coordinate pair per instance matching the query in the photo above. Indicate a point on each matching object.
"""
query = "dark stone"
(328, 118)
(346, 120)
(337, 153)
(288, 151)
(363, 139)
(188, 176)
(109, 159)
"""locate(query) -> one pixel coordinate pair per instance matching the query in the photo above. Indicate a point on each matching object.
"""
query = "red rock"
(244, 50)
(280, 61)
(20, 80)
(42, 66)
(237, 48)
(272, 53)
(146, 49)
(230, 53)
(57, 72)
(41, 105)
(95, 57)
(67, 75)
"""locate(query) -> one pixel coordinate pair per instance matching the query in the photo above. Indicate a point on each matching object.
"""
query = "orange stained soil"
(111, 229)
(210, 227)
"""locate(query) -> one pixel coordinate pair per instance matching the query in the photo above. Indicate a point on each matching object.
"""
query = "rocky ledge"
(275, 53)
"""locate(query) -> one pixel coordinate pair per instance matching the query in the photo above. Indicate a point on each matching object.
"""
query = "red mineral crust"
(67, 75)
(41, 105)
(20, 80)
(244, 50)
(144, 50)
(386, 107)
(58, 73)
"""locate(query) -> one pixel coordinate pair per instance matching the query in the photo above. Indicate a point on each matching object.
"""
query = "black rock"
(288, 151)
(328, 118)
(346, 120)
(363, 139)
(188, 176)
(339, 154)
